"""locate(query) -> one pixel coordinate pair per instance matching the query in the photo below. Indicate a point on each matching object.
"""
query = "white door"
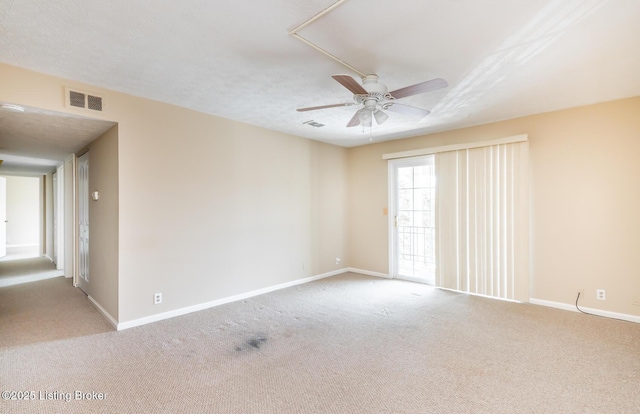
(3, 217)
(59, 219)
(83, 222)
(55, 218)
(412, 184)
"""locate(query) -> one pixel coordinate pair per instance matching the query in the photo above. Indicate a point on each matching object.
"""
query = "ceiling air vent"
(313, 124)
(81, 99)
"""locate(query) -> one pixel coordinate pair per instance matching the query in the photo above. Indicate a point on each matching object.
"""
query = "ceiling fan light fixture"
(365, 117)
(374, 97)
(380, 116)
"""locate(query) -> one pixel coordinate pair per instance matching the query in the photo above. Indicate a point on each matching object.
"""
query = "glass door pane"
(414, 219)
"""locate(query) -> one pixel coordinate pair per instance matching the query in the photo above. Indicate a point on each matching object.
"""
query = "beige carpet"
(16, 270)
(347, 344)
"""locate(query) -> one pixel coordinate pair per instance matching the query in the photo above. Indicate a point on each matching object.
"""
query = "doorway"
(26, 202)
(412, 185)
(21, 214)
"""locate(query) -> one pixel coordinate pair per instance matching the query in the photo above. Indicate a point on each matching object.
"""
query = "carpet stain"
(255, 341)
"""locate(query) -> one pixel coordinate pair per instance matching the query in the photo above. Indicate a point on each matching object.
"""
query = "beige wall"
(329, 217)
(208, 207)
(103, 221)
(23, 211)
(585, 201)
(216, 208)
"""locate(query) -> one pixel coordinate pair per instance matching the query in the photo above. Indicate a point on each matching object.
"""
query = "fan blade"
(313, 108)
(350, 83)
(430, 85)
(355, 121)
(411, 111)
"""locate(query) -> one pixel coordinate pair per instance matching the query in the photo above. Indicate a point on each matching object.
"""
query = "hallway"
(45, 311)
(24, 266)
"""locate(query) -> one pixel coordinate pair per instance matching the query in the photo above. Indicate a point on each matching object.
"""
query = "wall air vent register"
(75, 98)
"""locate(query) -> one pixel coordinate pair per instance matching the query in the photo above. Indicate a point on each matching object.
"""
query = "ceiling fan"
(375, 98)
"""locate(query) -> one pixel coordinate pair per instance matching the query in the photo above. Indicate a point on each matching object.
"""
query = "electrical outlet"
(157, 298)
(601, 294)
(338, 260)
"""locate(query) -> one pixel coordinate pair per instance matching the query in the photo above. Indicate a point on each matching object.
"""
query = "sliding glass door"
(470, 231)
(412, 225)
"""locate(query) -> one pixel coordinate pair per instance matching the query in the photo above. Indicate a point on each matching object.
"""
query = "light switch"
(95, 195)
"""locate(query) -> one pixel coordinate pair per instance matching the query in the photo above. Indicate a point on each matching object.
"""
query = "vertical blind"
(482, 233)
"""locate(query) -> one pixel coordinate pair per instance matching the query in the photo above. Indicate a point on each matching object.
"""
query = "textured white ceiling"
(35, 141)
(235, 59)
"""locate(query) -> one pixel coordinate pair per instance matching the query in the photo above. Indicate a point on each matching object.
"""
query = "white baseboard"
(368, 272)
(572, 308)
(189, 309)
(106, 314)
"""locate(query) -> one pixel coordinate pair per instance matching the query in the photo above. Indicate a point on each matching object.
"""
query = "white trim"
(59, 217)
(456, 147)
(391, 215)
(392, 207)
(189, 309)
(368, 273)
(415, 280)
(106, 314)
(49, 257)
(572, 308)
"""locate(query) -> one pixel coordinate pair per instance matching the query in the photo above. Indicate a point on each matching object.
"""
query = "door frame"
(77, 277)
(54, 217)
(392, 190)
(58, 217)
(3, 216)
